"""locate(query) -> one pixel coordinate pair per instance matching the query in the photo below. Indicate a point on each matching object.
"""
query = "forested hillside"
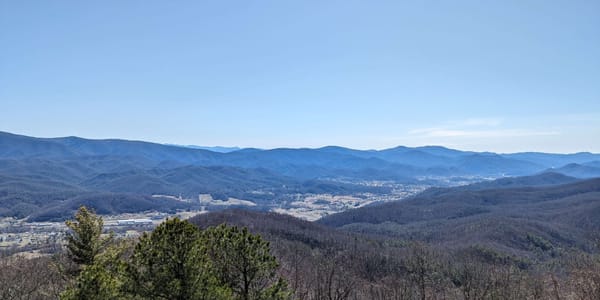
(520, 220)
(321, 262)
(239, 254)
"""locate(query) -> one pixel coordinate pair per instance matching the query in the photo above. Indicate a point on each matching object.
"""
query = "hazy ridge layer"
(47, 178)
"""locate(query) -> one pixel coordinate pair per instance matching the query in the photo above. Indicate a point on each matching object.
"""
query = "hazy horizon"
(192, 146)
(503, 77)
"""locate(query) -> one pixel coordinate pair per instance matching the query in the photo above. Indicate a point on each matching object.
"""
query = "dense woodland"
(525, 221)
(174, 261)
(270, 256)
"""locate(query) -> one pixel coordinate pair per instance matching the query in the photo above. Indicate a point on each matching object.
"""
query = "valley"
(395, 192)
(23, 235)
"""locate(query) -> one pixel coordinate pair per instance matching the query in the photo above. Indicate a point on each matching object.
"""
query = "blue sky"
(500, 76)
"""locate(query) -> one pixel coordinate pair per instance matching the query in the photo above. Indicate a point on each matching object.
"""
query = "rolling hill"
(586, 170)
(512, 218)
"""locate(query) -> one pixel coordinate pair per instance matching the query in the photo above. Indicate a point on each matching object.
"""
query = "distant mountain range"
(47, 177)
(332, 161)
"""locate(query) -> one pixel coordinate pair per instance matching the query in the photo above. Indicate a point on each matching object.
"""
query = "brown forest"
(317, 262)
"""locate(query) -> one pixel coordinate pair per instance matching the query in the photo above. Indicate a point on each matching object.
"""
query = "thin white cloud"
(478, 128)
(449, 132)
(488, 122)
(567, 133)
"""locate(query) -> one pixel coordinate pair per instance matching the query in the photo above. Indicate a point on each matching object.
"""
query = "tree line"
(175, 261)
(182, 260)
